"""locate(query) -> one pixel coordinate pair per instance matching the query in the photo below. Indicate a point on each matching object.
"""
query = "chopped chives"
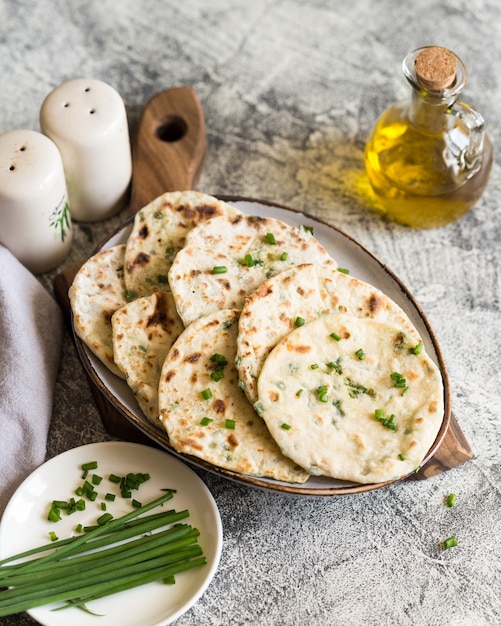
(53, 536)
(59, 504)
(388, 422)
(219, 358)
(104, 519)
(54, 515)
(89, 466)
(299, 321)
(258, 407)
(87, 487)
(113, 478)
(451, 500)
(125, 493)
(248, 260)
(220, 362)
(270, 238)
(79, 528)
(417, 349)
(343, 270)
(398, 379)
(131, 294)
(230, 424)
(96, 479)
(284, 256)
(103, 506)
(80, 505)
(335, 365)
(299, 392)
(110, 497)
(360, 354)
(401, 457)
(205, 421)
(335, 336)
(322, 393)
(314, 366)
(92, 496)
(136, 504)
(451, 542)
(286, 426)
(207, 394)
(219, 269)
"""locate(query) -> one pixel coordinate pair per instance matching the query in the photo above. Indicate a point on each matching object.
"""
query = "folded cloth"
(31, 332)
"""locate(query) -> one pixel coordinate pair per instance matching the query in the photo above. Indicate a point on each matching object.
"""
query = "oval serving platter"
(349, 254)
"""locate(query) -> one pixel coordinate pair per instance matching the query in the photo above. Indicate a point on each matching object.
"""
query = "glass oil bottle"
(428, 159)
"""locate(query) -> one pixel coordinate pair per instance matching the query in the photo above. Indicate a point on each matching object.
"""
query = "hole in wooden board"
(172, 128)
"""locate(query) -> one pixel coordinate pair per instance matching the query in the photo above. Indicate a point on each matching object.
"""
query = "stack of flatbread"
(240, 337)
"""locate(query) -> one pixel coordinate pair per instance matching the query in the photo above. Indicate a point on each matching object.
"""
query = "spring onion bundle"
(128, 555)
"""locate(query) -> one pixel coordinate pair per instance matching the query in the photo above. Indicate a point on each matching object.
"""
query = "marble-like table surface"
(290, 90)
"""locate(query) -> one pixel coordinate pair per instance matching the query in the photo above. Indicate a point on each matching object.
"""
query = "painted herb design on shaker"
(60, 218)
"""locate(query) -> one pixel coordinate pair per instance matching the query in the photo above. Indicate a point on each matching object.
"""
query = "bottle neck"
(429, 109)
(430, 116)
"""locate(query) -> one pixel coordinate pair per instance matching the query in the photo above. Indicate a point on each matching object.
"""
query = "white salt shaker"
(35, 222)
(87, 121)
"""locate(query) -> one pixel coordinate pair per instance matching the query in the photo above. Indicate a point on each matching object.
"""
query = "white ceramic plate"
(349, 254)
(25, 525)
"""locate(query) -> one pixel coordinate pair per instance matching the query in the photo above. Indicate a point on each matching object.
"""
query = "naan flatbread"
(349, 398)
(222, 428)
(98, 290)
(143, 333)
(158, 233)
(306, 292)
(226, 259)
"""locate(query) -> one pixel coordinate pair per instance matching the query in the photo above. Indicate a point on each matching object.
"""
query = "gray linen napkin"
(31, 331)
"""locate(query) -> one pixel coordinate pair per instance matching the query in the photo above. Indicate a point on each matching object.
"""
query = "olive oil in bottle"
(428, 159)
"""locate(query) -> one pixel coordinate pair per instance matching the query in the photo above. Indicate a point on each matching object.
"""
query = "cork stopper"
(435, 68)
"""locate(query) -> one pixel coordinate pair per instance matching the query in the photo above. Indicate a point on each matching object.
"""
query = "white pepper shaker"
(35, 222)
(86, 119)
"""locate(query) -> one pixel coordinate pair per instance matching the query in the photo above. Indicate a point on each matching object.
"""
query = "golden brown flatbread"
(352, 398)
(143, 333)
(204, 412)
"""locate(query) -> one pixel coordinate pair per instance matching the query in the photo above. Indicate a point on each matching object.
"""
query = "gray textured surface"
(290, 90)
